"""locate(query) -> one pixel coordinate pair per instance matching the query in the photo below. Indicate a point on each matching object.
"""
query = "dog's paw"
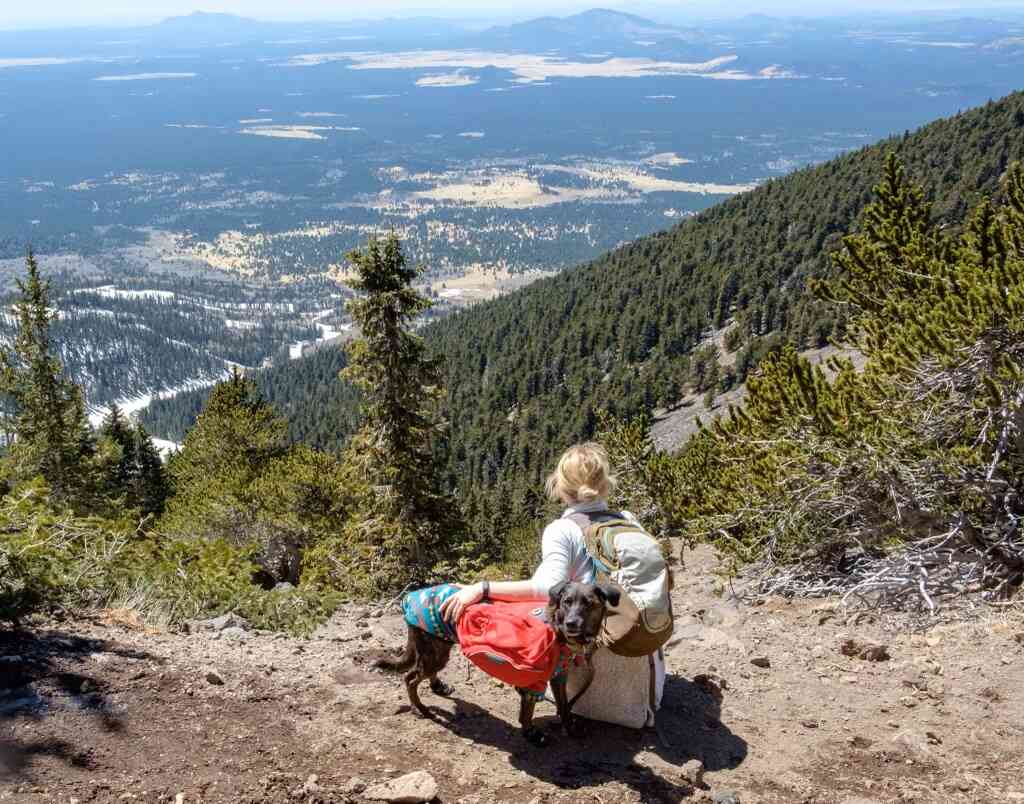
(575, 728)
(438, 687)
(536, 737)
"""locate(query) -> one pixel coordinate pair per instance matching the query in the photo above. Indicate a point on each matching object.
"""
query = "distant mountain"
(202, 25)
(205, 21)
(596, 25)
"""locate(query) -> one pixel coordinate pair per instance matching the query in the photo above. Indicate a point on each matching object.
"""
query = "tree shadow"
(689, 727)
(50, 674)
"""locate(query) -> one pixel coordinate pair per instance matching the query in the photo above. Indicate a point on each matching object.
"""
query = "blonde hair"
(582, 475)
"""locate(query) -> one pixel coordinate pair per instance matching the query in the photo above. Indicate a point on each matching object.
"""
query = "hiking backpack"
(626, 556)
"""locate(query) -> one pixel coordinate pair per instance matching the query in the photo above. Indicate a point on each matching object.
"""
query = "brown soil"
(101, 709)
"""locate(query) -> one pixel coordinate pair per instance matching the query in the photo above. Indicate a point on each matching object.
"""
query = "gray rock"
(213, 676)
(692, 772)
(354, 785)
(723, 616)
(916, 742)
(413, 788)
(235, 634)
(225, 621)
(727, 797)
(761, 661)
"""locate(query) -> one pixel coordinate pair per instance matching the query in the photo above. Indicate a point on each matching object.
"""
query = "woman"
(582, 481)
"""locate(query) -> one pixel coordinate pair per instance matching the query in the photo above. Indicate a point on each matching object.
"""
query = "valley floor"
(104, 709)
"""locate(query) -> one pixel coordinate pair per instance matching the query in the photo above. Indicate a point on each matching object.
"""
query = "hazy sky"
(51, 13)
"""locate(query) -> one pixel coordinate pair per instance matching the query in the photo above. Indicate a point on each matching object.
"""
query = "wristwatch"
(486, 585)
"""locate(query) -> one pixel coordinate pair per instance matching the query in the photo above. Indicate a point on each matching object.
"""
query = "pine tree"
(234, 440)
(52, 437)
(150, 483)
(409, 520)
(121, 476)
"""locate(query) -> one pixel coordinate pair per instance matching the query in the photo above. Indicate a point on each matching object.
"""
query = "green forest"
(828, 479)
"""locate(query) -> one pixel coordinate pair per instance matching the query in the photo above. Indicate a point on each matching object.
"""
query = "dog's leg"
(533, 735)
(588, 663)
(438, 687)
(570, 725)
(413, 679)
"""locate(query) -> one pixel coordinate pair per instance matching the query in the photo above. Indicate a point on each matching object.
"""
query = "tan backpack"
(626, 556)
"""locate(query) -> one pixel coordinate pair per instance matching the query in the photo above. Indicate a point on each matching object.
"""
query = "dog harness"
(511, 641)
(422, 610)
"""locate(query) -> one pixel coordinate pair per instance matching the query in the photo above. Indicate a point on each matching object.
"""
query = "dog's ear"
(609, 594)
(555, 592)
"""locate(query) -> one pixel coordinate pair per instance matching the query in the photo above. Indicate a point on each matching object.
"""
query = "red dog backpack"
(508, 642)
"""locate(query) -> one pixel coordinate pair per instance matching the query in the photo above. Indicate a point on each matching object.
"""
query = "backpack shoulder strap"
(580, 519)
(592, 524)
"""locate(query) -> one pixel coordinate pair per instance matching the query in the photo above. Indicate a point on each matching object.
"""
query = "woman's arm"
(513, 591)
(554, 567)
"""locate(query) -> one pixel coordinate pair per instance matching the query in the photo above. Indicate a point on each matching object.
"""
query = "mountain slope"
(527, 373)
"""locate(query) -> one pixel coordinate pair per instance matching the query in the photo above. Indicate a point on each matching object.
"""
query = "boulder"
(413, 788)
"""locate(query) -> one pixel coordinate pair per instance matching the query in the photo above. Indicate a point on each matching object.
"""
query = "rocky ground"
(781, 702)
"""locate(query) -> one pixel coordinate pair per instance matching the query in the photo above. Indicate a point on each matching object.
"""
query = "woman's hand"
(453, 607)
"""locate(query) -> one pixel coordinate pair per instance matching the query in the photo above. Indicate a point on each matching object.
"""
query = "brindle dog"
(576, 612)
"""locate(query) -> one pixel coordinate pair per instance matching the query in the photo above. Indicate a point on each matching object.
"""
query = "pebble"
(761, 661)
(692, 772)
(311, 785)
(727, 797)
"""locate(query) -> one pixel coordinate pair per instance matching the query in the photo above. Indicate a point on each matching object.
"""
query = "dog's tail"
(403, 662)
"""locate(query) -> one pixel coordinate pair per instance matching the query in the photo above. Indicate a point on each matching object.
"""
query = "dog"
(576, 611)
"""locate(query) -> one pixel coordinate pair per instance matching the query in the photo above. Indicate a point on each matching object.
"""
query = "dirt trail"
(100, 710)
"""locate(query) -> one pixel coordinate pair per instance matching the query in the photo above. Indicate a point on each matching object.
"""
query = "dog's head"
(576, 610)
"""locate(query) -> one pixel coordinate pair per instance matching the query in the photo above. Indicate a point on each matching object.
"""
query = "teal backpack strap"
(585, 523)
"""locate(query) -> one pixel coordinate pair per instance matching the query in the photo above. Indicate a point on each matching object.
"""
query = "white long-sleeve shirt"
(563, 552)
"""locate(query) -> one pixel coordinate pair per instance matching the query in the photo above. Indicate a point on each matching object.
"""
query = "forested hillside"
(527, 373)
(294, 389)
